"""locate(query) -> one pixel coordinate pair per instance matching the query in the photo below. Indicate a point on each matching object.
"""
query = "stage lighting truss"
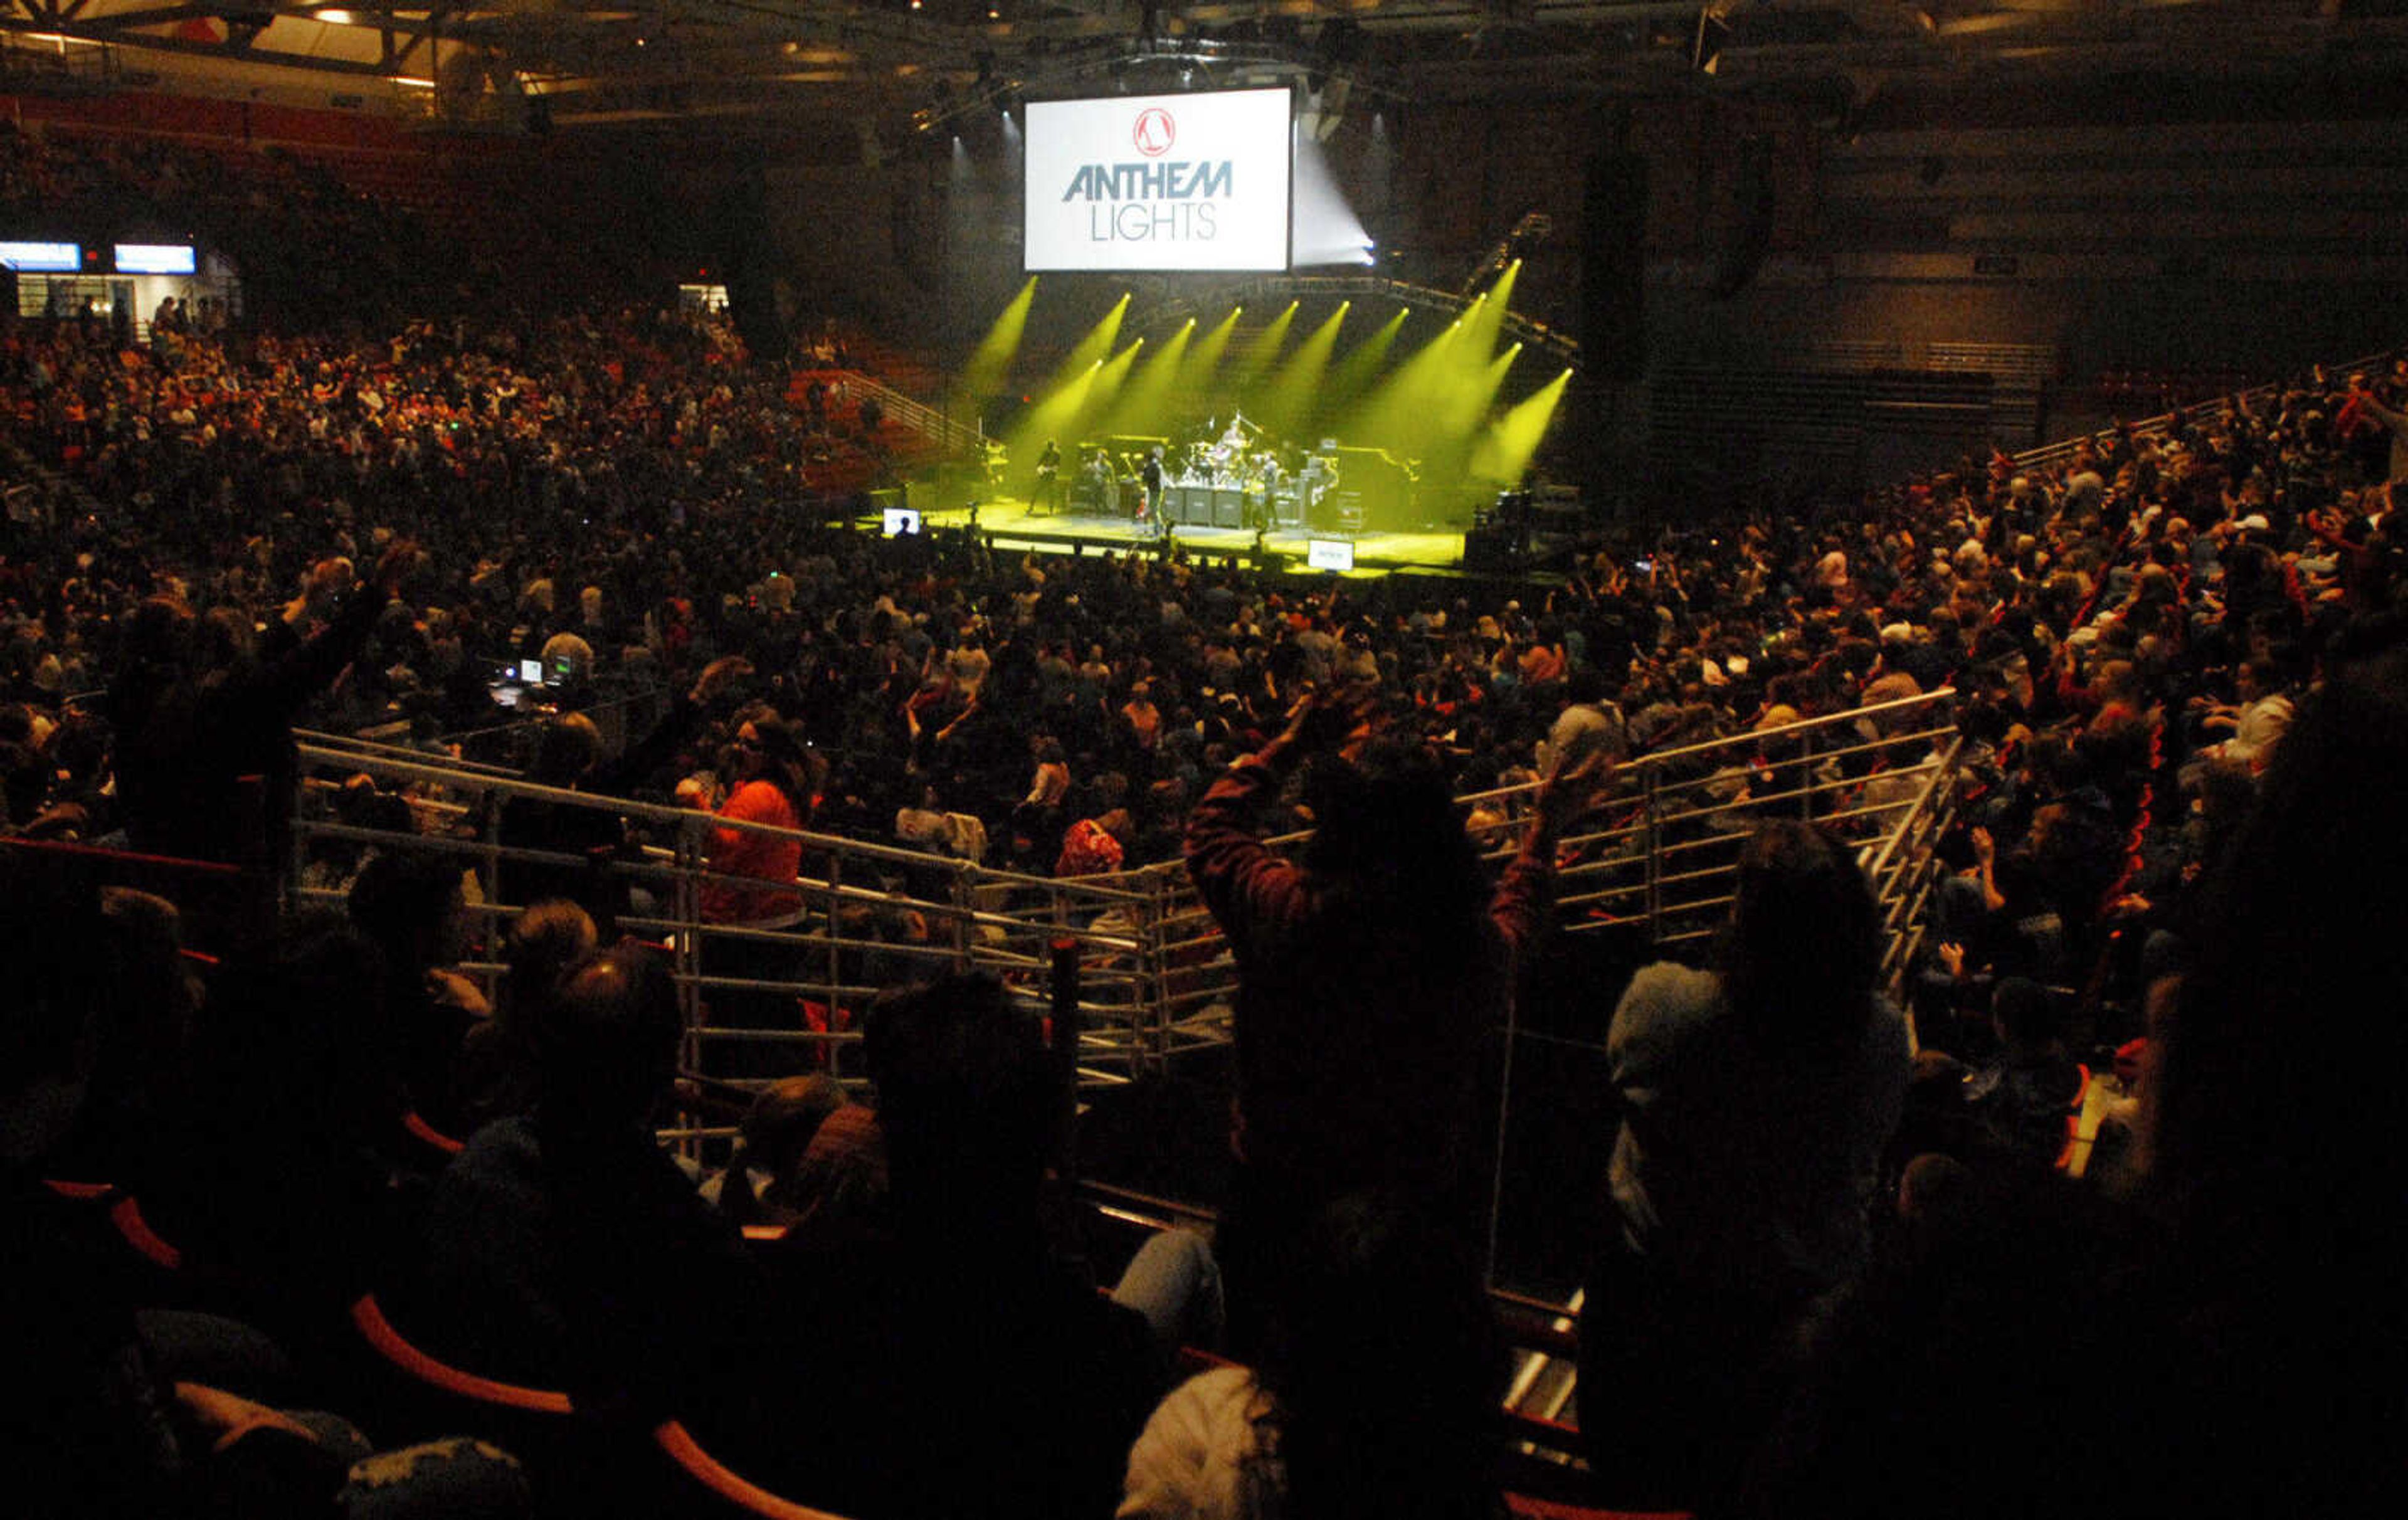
(1182, 305)
(1528, 233)
(1163, 66)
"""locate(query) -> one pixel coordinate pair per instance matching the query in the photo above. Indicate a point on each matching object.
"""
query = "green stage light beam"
(1486, 314)
(1506, 448)
(1203, 361)
(1286, 400)
(982, 376)
(1063, 396)
(1050, 417)
(1092, 349)
(1141, 403)
(1468, 398)
(1110, 376)
(1352, 378)
(1257, 355)
(1396, 415)
(1450, 427)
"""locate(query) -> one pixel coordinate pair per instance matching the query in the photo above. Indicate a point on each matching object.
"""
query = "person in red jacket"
(750, 887)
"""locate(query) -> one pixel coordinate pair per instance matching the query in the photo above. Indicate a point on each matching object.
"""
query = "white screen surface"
(156, 259)
(1158, 182)
(55, 258)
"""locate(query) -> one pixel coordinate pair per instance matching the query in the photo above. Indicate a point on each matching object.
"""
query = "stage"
(1016, 525)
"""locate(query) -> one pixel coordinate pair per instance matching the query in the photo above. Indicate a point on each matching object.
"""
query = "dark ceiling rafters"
(849, 62)
(401, 38)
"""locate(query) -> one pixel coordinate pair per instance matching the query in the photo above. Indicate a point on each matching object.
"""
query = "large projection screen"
(1158, 182)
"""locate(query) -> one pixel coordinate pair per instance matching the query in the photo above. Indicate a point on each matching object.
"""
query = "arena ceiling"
(883, 68)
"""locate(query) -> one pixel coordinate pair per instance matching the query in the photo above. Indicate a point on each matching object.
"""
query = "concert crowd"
(1832, 1277)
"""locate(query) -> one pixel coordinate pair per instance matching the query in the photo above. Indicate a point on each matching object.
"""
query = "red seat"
(682, 1449)
(428, 1136)
(1530, 1507)
(126, 1215)
(395, 1349)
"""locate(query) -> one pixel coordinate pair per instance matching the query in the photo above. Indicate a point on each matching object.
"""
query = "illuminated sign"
(1329, 553)
(1158, 182)
(42, 258)
(156, 259)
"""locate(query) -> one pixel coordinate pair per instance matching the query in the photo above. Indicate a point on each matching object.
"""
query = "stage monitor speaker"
(1491, 547)
(1614, 229)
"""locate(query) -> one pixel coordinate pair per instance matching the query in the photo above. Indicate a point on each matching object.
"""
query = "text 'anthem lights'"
(1132, 183)
(1151, 182)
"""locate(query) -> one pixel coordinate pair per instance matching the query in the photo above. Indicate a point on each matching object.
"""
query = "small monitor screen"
(156, 259)
(42, 258)
(1329, 553)
(531, 671)
(898, 520)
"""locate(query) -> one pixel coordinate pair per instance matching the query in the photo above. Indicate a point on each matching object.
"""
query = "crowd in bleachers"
(2174, 656)
(624, 498)
(311, 248)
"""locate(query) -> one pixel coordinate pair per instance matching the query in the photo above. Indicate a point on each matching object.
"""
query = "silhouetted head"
(1384, 1362)
(1803, 947)
(965, 1098)
(544, 941)
(567, 748)
(159, 636)
(411, 906)
(606, 1043)
(1387, 834)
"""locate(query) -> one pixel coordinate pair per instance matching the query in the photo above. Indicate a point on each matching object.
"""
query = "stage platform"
(1016, 525)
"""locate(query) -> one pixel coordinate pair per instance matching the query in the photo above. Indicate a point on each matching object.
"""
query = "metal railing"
(49, 60)
(870, 915)
(1158, 979)
(2062, 451)
(951, 434)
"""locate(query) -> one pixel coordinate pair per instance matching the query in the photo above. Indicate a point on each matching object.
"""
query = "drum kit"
(1226, 477)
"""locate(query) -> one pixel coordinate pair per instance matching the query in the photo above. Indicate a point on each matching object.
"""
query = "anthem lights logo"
(1153, 202)
(1154, 131)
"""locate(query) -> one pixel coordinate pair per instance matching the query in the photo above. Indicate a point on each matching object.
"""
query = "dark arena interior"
(1253, 760)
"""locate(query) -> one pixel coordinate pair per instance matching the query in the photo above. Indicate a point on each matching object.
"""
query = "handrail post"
(1651, 845)
(493, 852)
(831, 935)
(685, 953)
(1504, 1125)
(965, 939)
(1154, 989)
(296, 863)
(1064, 1011)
